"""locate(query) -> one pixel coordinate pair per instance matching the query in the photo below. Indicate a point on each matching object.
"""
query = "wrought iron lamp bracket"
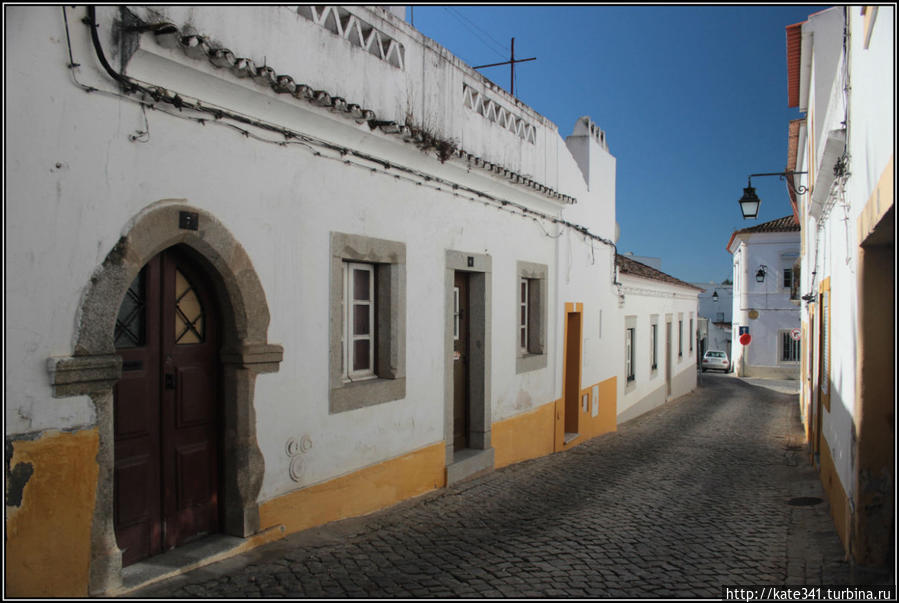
(800, 190)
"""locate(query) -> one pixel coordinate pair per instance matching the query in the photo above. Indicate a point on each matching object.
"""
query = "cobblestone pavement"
(677, 503)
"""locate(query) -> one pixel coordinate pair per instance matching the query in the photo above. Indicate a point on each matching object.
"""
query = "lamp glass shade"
(760, 276)
(715, 296)
(749, 203)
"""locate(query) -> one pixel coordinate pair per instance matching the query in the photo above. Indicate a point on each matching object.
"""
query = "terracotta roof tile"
(785, 224)
(635, 268)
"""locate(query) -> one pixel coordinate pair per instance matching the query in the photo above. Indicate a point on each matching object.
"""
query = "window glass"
(188, 312)
(129, 325)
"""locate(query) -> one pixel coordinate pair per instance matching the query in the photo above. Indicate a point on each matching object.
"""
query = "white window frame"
(629, 369)
(524, 291)
(786, 338)
(533, 277)
(350, 337)
(654, 346)
(691, 333)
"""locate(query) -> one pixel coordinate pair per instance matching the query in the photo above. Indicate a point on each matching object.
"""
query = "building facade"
(842, 78)
(275, 267)
(716, 306)
(660, 337)
(765, 303)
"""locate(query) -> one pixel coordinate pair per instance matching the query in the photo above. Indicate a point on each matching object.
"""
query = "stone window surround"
(479, 457)
(630, 322)
(537, 274)
(390, 322)
(94, 367)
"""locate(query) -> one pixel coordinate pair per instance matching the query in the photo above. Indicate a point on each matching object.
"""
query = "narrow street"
(688, 498)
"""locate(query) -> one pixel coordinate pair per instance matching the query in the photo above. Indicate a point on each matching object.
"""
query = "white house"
(716, 306)
(764, 300)
(841, 75)
(269, 267)
(660, 343)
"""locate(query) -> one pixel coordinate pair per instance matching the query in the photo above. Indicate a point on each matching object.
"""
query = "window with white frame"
(789, 347)
(654, 344)
(691, 334)
(368, 308)
(629, 354)
(530, 302)
(680, 338)
(359, 321)
(523, 296)
(788, 278)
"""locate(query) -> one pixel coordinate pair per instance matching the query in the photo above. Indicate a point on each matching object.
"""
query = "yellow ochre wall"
(534, 434)
(358, 493)
(48, 537)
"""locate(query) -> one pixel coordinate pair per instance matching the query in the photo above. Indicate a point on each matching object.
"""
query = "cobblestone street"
(677, 503)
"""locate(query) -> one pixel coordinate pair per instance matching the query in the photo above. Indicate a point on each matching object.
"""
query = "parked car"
(714, 359)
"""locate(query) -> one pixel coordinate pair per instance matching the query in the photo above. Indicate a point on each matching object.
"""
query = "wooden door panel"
(167, 415)
(195, 397)
(460, 361)
(134, 407)
(193, 477)
(134, 479)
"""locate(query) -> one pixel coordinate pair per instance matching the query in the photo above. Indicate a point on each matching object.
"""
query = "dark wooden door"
(460, 361)
(166, 410)
(572, 384)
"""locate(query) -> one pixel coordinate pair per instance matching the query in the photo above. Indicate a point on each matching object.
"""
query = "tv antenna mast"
(511, 63)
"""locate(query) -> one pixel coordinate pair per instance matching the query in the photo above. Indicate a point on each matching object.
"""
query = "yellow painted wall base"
(361, 492)
(526, 436)
(48, 537)
(589, 426)
(836, 494)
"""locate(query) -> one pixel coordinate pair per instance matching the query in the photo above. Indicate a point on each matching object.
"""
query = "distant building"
(765, 303)
(660, 343)
(645, 260)
(716, 306)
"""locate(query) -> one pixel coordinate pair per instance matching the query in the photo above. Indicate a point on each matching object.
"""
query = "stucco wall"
(646, 302)
(88, 163)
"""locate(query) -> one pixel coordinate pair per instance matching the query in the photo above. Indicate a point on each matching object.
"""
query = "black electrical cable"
(131, 86)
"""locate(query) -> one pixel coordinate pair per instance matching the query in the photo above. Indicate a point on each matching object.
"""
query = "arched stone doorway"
(95, 367)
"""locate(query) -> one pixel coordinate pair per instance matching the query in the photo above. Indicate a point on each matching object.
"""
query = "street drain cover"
(805, 501)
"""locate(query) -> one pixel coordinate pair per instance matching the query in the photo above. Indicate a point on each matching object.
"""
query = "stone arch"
(95, 367)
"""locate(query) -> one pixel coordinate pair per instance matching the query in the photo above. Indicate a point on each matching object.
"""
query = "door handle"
(170, 380)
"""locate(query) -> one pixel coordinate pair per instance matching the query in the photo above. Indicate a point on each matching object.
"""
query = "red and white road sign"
(796, 334)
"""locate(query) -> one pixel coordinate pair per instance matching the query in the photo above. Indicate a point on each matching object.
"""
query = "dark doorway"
(572, 384)
(461, 322)
(167, 411)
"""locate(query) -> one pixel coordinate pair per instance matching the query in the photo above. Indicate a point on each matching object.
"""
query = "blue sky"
(692, 100)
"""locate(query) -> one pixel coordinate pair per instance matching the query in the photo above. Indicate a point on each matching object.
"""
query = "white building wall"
(646, 302)
(77, 180)
(764, 307)
(832, 210)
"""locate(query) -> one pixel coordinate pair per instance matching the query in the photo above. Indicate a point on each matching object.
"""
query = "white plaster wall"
(75, 181)
(831, 240)
(770, 298)
(643, 299)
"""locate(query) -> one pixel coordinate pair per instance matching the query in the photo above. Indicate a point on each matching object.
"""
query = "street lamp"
(715, 296)
(760, 275)
(749, 202)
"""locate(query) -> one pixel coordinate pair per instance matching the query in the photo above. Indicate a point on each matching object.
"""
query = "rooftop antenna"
(511, 63)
